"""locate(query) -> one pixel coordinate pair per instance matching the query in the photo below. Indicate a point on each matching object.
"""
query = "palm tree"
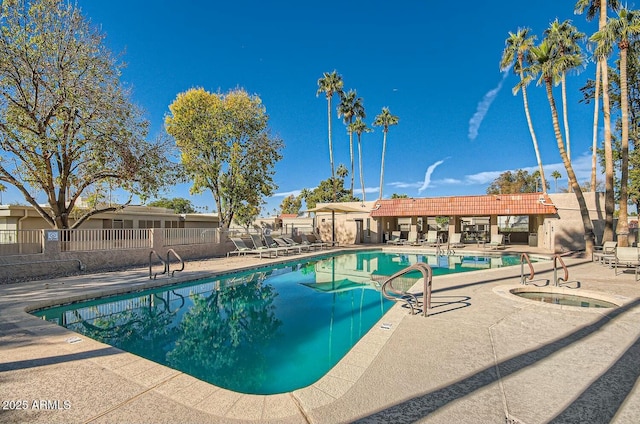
(384, 120)
(549, 67)
(515, 54)
(621, 31)
(359, 127)
(351, 107)
(599, 8)
(330, 84)
(555, 175)
(565, 38)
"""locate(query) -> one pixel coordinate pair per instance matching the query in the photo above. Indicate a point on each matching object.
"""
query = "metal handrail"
(391, 293)
(165, 270)
(557, 279)
(523, 279)
(168, 263)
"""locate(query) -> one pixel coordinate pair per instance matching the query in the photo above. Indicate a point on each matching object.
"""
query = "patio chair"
(432, 238)
(395, 238)
(273, 243)
(455, 240)
(604, 253)
(292, 243)
(260, 246)
(497, 242)
(627, 256)
(243, 249)
(314, 241)
(412, 238)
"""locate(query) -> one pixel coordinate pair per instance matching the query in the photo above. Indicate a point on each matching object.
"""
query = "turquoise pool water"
(272, 330)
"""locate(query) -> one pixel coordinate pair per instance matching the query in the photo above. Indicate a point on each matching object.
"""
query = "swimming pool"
(272, 330)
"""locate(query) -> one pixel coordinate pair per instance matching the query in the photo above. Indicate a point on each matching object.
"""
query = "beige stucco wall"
(345, 224)
(566, 231)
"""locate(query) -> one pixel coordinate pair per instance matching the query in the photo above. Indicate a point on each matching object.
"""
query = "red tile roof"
(499, 204)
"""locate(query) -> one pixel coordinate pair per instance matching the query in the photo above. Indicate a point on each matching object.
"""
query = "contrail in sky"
(427, 176)
(483, 107)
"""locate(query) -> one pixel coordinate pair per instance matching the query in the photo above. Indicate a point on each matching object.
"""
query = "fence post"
(51, 243)
(157, 239)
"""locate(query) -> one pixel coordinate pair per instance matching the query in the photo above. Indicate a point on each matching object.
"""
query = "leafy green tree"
(291, 204)
(246, 214)
(331, 83)
(519, 181)
(351, 108)
(385, 119)
(177, 204)
(516, 54)
(549, 67)
(399, 196)
(342, 171)
(67, 126)
(226, 147)
(359, 127)
(598, 8)
(621, 31)
(323, 193)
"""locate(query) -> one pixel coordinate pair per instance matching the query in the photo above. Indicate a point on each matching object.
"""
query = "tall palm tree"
(555, 175)
(565, 39)
(384, 120)
(516, 54)
(548, 66)
(599, 8)
(350, 108)
(331, 83)
(359, 127)
(621, 31)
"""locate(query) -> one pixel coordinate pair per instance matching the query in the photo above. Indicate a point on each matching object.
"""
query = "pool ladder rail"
(557, 261)
(411, 299)
(166, 263)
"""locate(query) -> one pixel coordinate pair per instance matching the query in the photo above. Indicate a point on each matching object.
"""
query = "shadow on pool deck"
(598, 403)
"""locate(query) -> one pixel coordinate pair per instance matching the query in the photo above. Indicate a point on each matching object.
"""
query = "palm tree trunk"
(609, 200)
(533, 134)
(333, 172)
(622, 229)
(384, 148)
(565, 115)
(352, 161)
(573, 181)
(360, 166)
(594, 144)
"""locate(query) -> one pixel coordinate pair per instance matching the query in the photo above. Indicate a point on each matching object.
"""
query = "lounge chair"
(273, 243)
(627, 256)
(497, 242)
(395, 238)
(432, 238)
(455, 240)
(412, 238)
(290, 242)
(243, 249)
(260, 246)
(606, 252)
(313, 241)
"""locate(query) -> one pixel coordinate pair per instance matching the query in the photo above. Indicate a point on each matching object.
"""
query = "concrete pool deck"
(483, 356)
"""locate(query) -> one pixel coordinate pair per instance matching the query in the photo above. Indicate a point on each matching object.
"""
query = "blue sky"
(434, 64)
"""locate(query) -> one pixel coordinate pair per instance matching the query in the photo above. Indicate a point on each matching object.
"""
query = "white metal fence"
(106, 239)
(183, 236)
(17, 242)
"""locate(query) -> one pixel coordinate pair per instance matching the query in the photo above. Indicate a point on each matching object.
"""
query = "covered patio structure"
(519, 217)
